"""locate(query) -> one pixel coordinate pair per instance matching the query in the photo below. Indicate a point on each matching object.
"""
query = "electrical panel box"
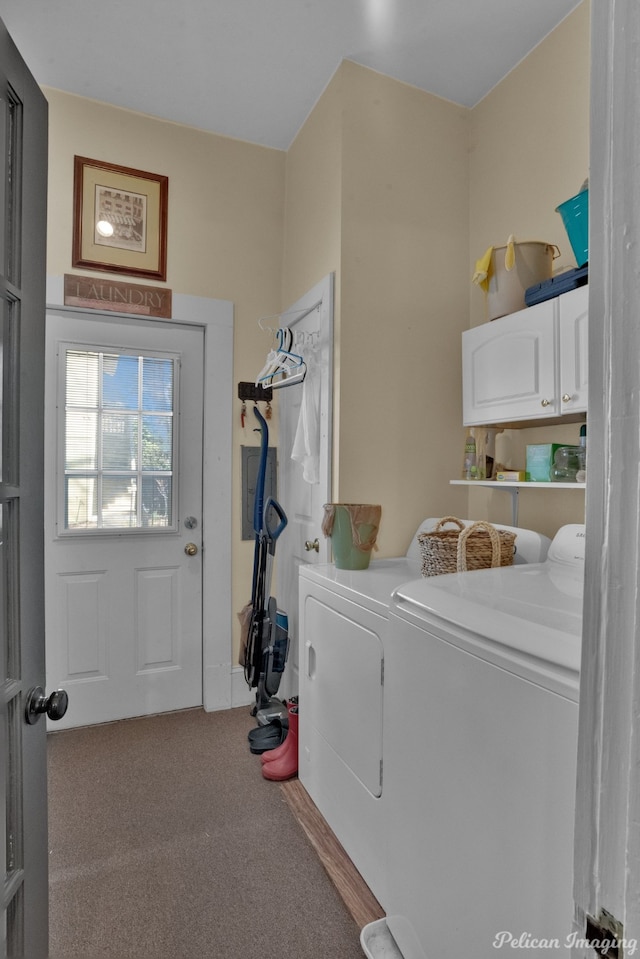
(250, 467)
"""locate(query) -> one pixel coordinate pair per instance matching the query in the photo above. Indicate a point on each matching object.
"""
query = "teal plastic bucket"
(352, 540)
(575, 216)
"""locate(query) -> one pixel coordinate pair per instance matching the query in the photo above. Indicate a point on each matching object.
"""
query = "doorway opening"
(121, 440)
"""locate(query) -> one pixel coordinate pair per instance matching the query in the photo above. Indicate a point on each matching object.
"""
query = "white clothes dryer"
(480, 747)
(344, 705)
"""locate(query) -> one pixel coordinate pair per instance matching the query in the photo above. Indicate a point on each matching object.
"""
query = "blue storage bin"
(575, 216)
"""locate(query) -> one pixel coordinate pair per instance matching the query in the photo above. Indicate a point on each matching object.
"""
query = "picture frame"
(120, 219)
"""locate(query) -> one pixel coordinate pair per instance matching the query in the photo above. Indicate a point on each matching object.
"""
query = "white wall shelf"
(514, 489)
(493, 484)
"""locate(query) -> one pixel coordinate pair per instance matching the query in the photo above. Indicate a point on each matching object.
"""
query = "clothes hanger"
(273, 360)
(282, 368)
(289, 378)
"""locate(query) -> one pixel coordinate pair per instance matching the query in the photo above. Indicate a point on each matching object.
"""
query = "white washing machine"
(480, 747)
(344, 701)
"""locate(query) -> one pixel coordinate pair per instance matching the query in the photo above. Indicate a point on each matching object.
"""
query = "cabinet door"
(508, 367)
(574, 360)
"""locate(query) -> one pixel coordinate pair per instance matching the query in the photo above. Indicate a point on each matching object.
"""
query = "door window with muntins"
(119, 434)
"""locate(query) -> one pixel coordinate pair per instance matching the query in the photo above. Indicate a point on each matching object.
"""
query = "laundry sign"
(97, 293)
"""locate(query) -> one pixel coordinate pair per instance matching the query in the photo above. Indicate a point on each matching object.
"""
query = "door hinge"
(605, 935)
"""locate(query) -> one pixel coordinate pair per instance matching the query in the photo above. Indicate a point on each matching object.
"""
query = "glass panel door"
(10, 675)
(23, 179)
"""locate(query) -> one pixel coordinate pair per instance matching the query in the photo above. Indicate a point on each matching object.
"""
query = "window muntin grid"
(120, 416)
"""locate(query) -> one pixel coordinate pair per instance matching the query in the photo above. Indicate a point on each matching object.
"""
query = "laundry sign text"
(92, 293)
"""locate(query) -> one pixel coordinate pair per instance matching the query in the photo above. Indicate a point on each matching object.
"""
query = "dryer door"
(341, 711)
(342, 665)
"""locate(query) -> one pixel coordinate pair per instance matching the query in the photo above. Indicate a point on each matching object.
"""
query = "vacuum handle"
(272, 534)
(258, 504)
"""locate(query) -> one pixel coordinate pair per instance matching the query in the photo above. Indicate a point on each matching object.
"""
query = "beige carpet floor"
(165, 841)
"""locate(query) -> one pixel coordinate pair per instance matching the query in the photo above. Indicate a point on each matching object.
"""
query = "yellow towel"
(483, 265)
(510, 255)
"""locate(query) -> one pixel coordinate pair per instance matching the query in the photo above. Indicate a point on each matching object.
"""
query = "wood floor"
(357, 897)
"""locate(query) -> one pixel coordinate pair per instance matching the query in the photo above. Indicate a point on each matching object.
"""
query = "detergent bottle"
(470, 461)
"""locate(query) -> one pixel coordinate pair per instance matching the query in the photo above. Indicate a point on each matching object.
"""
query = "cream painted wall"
(225, 226)
(529, 151)
(313, 197)
(529, 148)
(404, 301)
(394, 178)
(313, 215)
(422, 188)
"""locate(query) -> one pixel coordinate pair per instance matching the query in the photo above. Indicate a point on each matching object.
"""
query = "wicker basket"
(478, 546)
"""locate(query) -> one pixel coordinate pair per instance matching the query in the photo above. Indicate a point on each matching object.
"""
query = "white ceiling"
(254, 69)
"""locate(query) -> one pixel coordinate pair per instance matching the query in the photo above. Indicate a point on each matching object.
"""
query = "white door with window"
(123, 515)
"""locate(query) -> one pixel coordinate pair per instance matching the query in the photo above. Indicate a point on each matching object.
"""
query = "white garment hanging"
(306, 444)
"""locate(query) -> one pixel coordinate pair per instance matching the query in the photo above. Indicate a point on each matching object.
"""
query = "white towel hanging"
(306, 443)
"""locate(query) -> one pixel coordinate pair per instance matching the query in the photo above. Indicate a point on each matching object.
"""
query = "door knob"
(566, 398)
(37, 703)
(311, 545)
(191, 549)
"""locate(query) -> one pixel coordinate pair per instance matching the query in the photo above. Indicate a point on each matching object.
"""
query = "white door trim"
(216, 317)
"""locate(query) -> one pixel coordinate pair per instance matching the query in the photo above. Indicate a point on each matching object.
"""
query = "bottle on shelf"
(581, 475)
(470, 461)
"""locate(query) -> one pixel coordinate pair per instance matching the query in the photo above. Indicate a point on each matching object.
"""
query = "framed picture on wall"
(120, 219)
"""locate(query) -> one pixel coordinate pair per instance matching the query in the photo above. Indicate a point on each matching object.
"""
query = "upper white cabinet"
(574, 356)
(531, 365)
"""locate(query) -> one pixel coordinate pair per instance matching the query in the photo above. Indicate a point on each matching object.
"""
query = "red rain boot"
(285, 764)
(270, 754)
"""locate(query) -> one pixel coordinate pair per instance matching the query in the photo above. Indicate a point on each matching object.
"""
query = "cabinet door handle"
(566, 398)
(545, 403)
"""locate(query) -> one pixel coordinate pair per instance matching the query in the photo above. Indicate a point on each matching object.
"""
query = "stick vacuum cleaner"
(268, 641)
